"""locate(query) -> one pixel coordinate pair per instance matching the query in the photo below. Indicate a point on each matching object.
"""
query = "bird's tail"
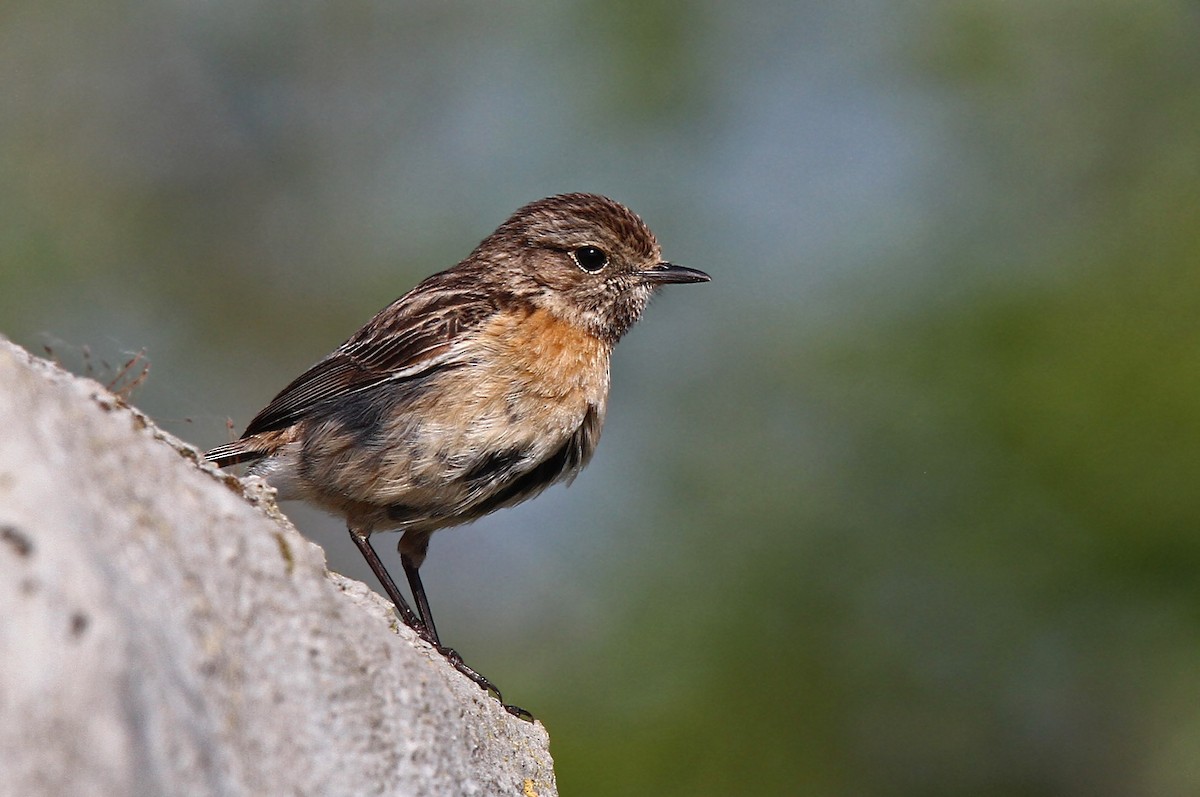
(247, 449)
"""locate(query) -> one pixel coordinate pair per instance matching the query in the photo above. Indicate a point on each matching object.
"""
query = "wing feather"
(412, 336)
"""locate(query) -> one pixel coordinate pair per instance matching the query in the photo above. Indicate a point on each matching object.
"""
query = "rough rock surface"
(164, 630)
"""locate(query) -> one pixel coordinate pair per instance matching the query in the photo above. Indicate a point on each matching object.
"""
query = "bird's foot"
(479, 680)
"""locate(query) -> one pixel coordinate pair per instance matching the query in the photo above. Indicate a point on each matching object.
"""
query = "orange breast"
(552, 358)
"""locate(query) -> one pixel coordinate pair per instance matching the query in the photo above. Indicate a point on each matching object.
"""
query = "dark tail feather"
(238, 451)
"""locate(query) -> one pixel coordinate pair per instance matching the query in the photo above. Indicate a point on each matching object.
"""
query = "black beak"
(668, 273)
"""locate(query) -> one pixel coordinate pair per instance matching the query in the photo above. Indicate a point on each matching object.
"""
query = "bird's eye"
(590, 259)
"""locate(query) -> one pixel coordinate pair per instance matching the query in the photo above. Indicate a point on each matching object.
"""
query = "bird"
(476, 390)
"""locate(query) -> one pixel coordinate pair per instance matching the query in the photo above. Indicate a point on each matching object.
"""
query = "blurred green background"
(903, 503)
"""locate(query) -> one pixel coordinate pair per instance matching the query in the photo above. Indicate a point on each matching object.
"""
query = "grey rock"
(164, 630)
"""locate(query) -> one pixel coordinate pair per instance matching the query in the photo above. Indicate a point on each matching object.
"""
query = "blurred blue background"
(903, 503)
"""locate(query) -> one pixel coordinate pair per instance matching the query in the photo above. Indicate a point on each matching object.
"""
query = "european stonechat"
(475, 390)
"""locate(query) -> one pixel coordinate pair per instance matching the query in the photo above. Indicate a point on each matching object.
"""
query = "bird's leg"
(412, 555)
(363, 541)
(411, 558)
